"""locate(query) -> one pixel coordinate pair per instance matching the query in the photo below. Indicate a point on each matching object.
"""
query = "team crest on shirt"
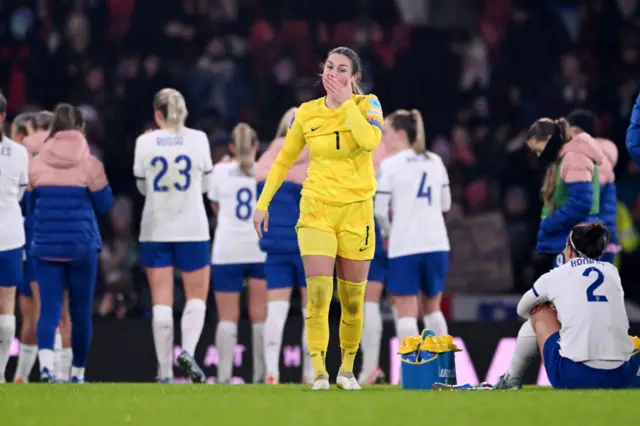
(375, 103)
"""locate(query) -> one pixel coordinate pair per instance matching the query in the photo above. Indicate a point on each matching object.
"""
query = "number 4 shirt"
(175, 168)
(235, 241)
(589, 300)
(417, 186)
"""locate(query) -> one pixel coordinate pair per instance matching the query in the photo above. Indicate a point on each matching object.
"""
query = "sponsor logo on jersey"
(374, 112)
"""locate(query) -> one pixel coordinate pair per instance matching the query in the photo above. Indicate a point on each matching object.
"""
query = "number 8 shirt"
(235, 240)
(173, 171)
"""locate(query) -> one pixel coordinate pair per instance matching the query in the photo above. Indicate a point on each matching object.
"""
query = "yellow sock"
(319, 294)
(352, 302)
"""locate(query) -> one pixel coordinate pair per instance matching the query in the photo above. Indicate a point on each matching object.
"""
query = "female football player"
(14, 163)
(336, 226)
(172, 166)
(68, 187)
(569, 193)
(283, 266)
(578, 313)
(236, 253)
(415, 183)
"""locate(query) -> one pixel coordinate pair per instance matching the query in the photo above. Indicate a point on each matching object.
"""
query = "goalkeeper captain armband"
(427, 359)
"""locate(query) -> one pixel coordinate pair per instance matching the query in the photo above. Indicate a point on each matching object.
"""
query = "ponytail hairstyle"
(556, 133)
(356, 66)
(171, 105)
(412, 124)
(244, 140)
(3, 114)
(66, 117)
(42, 120)
(589, 240)
(285, 122)
(20, 125)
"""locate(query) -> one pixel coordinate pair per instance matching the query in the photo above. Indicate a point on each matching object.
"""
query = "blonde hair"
(172, 106)
(285, 122)
(544, 129)
(244, 139)
(413, 125)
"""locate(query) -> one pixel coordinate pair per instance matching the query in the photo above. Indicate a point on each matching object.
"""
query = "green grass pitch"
(295, 405)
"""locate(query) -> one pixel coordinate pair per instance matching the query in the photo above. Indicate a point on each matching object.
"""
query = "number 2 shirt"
(589, 300)
(417, 186)
(235, 241)
(175, 168)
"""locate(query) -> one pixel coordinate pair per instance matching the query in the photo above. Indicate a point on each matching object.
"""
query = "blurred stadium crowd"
(480, 71)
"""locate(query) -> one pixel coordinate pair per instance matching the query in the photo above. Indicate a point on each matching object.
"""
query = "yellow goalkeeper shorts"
(327, 230)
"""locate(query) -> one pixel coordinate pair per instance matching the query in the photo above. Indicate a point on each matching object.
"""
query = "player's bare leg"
(372, 335)
(407, 314)
(161, 283)
(544, 320)
(433, 318)
(228, 304)
(352, 281)
(319, 275)
(196, 289)
(258, 314)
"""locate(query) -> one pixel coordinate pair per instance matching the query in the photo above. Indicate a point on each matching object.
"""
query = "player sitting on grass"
(578, 314)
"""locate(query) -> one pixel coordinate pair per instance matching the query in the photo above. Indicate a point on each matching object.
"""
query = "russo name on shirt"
(170, 141)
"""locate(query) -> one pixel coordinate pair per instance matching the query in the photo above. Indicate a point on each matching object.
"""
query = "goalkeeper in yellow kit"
(336, 224)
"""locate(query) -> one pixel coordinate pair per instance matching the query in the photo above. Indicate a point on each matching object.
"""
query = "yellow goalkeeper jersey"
(341, 142)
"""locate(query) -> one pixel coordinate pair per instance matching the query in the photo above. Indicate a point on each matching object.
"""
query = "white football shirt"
(175, 168)
(418, 188)
(14, 178)
(235, 240)
(589, 300)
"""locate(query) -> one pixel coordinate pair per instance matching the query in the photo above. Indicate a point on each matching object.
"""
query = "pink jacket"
(610, 151)
(579, 156)
(298, 172)
(34, 142)
(65, 161)
(70, 187)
